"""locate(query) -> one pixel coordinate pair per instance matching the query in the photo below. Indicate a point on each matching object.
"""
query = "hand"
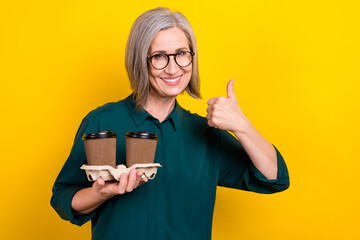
(225, 113)
(126, 184)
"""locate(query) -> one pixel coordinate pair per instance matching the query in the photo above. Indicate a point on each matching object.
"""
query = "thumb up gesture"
(224, 112)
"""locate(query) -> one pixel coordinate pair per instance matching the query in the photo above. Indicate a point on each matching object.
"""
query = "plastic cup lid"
(142, 134)
(101, 134)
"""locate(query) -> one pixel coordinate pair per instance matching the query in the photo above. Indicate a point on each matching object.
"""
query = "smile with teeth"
(171, 80)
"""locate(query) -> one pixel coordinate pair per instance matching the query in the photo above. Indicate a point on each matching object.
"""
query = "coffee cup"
(100, 148)
(140, 147)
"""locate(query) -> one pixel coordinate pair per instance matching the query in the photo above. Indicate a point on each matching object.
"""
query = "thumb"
(230, 89)
(99, 183)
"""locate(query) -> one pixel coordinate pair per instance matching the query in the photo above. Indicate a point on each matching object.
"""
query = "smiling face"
(172, 80)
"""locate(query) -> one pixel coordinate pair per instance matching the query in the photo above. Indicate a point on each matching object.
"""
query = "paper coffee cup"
(100, 148)
(140, 147)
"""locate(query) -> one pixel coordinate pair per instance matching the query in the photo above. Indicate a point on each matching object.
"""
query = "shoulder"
(107, 110)
(193, 121)
(192, 117)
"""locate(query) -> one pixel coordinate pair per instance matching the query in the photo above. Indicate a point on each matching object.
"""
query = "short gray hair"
(143, 31)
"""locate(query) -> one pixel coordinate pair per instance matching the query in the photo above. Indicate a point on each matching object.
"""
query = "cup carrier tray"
(109, 173)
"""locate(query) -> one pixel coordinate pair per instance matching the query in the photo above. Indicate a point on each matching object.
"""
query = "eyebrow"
(177, 50)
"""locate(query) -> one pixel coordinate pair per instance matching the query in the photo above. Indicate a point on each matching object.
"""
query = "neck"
(159, 107)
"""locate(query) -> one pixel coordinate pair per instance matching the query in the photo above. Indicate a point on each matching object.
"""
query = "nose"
(172, 67)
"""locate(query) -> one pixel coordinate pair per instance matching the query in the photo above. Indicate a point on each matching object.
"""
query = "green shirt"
(179, 202)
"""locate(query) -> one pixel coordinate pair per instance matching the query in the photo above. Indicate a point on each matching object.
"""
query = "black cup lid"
(142, 134)
(101, 134)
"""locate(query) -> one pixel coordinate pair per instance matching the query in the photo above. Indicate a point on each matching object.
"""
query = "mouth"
(172, 80)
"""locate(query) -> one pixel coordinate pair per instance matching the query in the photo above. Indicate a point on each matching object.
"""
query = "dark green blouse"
(179, 202)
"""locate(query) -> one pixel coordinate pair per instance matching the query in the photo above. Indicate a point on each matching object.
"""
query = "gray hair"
(143, 31)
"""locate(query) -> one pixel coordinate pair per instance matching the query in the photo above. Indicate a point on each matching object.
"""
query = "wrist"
(243, 128)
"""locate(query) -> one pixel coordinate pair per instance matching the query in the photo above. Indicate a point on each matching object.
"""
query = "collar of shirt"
(140, 116)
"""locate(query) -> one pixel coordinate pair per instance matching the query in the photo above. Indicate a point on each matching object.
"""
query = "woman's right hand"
(124, 185)
(87, 200)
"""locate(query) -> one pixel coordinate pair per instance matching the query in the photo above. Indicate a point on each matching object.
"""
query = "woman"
(197, 154)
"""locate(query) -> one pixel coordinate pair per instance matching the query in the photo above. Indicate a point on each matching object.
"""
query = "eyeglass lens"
(160, 61)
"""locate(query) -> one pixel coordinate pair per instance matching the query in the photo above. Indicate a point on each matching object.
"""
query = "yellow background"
(296, 66)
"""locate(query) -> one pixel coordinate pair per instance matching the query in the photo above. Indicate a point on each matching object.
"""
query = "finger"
(131, 181)
(122, 183)
(211, 101)
(210, 109)
(211, 124)
(138, 179)
(230, 89)
(144, 179)
(99, 183)
(208, 116)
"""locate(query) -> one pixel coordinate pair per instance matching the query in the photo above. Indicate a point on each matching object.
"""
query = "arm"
(74, 197)
(225, 113)
(88, 199)
(260, 151)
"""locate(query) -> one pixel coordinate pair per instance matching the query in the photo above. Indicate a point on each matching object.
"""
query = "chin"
(172, 94)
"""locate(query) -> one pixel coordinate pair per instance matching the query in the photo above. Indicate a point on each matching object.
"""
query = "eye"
(182, 53)
(159, 56)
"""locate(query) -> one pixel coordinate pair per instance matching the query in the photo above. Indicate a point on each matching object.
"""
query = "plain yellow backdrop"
(296, 66)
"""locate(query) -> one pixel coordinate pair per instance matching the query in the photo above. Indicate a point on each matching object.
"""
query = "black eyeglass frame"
(168, 59)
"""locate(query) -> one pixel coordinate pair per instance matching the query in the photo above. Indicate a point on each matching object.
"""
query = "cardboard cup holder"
(109, 173)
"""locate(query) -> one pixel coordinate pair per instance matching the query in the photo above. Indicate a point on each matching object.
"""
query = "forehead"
(169, 39)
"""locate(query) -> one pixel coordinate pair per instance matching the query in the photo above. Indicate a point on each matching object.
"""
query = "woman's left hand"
(225, 113)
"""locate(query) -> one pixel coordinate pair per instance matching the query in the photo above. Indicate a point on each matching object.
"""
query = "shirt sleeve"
(237, 170)
(71, 178)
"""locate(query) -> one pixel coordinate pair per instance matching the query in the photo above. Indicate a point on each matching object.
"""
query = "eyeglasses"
(161, 60)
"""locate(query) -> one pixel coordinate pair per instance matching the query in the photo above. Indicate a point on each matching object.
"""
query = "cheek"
(152, 75)
(189, 73)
